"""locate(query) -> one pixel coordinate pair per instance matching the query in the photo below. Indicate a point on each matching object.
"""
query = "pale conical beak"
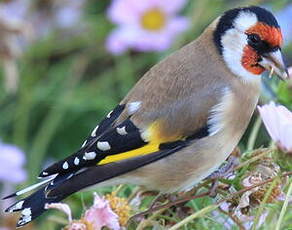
(273, 61)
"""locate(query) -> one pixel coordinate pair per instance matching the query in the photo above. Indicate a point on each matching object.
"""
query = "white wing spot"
(122, 131)
(84, 143)
(76, 161)
(103, 145)
(45, 173)
(109, 114)
(89, 156)
(65, 165)
(93, 134)
(145, 135)
(133, 107)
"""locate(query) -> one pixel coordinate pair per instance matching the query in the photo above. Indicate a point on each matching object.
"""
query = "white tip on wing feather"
(133, 107)
(122, 130)
(89, 155)
(103, 145)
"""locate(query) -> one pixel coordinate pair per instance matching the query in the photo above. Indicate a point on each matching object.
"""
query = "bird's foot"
(224, 171)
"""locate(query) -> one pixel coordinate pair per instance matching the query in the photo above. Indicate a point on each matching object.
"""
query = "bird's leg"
(224, 171)
(159, 198)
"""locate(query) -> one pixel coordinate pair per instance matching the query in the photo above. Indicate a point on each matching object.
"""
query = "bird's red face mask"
(263, 50)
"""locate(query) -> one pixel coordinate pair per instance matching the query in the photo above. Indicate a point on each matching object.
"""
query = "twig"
(170, 204)
(148, 221)
(253, 186)
(253, 159)
(194, 215)
(260, 209)
(214, 206)
(234, 218)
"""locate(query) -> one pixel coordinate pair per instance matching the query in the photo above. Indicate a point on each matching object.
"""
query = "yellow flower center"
(120, 206)
(153, 19)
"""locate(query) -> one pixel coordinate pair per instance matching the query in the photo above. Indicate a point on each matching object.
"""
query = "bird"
(180, 121)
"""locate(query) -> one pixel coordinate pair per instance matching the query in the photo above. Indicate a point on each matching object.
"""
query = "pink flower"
(12, 161)
(101, 214)
(278, 122)
(144, 25)
(62, 207)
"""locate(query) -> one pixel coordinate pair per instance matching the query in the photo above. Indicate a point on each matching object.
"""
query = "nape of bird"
(181, 120)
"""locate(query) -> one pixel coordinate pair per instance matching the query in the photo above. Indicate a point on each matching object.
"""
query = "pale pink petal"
(286, 137)
(272, 120)
(121, 39)
(152, 41)
(116, 43)
(13, 160)
(177, 25)
(278, 122)
(61, 207)
(101, 214)
(126, 11)
(286, 115)
(171, 8)
(269, 120)
(159, 40)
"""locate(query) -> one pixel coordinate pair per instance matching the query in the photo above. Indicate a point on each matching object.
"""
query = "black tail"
(64, 185)
(32, 206)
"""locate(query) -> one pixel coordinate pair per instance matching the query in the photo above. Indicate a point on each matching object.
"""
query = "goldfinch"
(181, 120)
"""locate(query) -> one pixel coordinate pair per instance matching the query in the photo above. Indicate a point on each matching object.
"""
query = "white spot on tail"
(103, 145)
(122, 131)
(89, 156)
(93, 133)
(76, 161)
(133, 107)
(16, 207)
(65, 165)
(25, 216)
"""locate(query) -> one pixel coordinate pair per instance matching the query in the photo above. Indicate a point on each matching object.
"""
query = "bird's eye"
(254, 38)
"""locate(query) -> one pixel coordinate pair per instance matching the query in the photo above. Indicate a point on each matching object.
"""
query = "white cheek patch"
(233, 42)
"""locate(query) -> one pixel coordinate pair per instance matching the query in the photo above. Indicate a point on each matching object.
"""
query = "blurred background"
(65, 63)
